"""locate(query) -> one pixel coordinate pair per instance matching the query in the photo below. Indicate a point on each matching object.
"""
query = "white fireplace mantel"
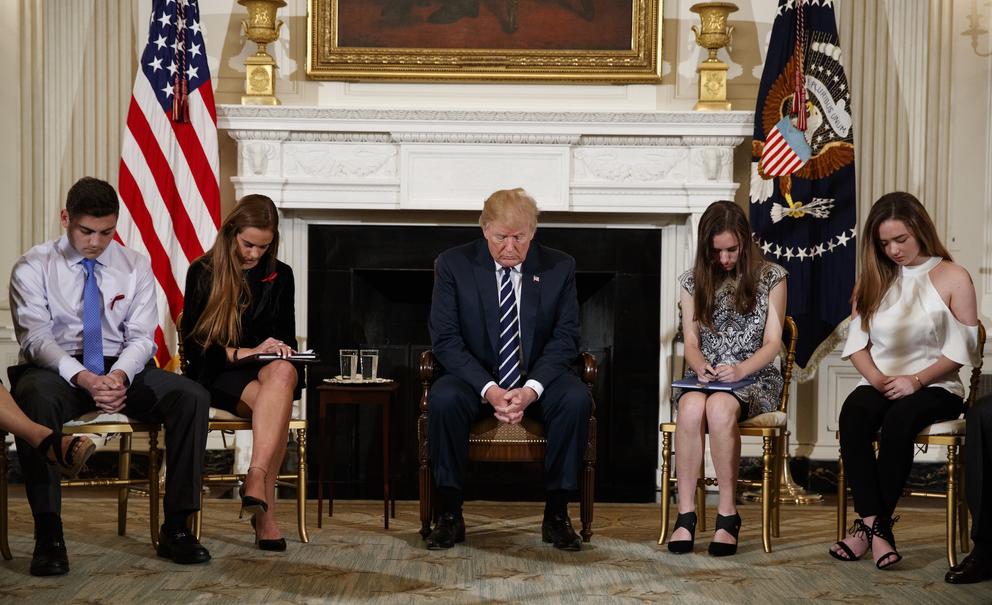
(333, 165)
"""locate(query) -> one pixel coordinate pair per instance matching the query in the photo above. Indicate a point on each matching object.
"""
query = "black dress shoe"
(449, 529)
(970, 571)
(50, 557)
(453, 10)
(557, 529)
(181, 546)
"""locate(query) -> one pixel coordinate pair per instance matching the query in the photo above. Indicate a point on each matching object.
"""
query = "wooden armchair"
(771, 427)
(493, 441)
(224, 421)
(949, 434)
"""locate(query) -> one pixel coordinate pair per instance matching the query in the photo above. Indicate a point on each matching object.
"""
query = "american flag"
(785, 149)
(169, 168)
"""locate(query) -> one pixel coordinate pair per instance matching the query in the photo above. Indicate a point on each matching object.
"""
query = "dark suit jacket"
(465, 314)
(271, 313)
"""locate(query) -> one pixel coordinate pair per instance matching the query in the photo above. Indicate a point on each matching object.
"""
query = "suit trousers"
(978, 471)
(877, 482)
(564, 408)
(154, 396)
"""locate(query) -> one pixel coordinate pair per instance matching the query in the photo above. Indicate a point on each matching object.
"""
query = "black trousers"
(564, 408)
(978, 472)
(877, 483)
(154, 396)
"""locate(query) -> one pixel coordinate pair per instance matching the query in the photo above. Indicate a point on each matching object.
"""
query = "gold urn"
(261, 27)
(713, 35)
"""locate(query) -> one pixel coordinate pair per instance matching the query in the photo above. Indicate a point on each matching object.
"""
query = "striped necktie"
(92, 329)
(509, 334)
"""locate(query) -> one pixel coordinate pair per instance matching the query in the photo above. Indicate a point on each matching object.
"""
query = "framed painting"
(609, 41)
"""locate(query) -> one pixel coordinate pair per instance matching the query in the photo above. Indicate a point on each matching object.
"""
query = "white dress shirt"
(46, 302)
(517, 277)
(913, 328)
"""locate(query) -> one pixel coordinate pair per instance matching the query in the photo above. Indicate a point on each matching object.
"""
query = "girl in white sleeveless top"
(913, 326)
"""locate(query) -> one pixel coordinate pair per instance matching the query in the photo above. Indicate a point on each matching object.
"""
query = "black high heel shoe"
(279, 544)
(687, 521)
(251, 504)
(730, 524)
(882, 528)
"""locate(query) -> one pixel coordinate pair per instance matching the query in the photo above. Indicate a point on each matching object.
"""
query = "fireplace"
(370, 286)
(596, 176)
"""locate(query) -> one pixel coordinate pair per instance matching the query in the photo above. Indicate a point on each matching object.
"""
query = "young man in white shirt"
(85, 316)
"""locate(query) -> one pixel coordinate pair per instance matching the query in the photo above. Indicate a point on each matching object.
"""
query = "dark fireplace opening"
(370, 287)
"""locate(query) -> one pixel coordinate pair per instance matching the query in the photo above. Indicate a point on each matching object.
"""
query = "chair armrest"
(428, 366)
(590, 368)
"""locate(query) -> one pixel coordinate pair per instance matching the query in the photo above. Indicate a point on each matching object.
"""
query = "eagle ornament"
(823, 147)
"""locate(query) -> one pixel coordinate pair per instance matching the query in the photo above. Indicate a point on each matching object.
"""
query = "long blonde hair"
(719, 217)
(878, 271)
(230, 295)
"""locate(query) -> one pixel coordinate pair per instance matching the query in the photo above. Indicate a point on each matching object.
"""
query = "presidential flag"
(803, 209)
(168, 181)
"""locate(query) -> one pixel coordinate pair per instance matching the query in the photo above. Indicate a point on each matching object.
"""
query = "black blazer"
(464, 315)
(271, 313)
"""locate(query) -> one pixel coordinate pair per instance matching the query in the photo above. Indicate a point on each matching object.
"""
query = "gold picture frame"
(604, 41)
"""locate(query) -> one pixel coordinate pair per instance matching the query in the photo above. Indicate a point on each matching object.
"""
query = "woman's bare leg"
(690, 436)
(269, 402)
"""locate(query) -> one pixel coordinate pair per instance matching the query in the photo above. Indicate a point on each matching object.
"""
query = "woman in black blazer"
(239, 304)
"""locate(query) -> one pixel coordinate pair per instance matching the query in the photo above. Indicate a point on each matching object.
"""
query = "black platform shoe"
(730, 524)
(687, 521)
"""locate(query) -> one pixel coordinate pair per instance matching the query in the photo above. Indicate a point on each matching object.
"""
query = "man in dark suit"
(504, 325)
(977, 566)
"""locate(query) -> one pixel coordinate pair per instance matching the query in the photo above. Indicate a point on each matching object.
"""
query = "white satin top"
(913, 328)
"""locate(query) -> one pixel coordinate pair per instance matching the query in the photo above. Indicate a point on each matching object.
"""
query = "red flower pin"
(270, 278)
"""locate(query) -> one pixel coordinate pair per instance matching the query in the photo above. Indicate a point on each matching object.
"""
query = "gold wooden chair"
(102, 424)
(493, 441)
(771, 427)
(949, 434)
(227, 423)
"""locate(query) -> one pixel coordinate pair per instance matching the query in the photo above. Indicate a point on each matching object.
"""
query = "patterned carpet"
(353, 560)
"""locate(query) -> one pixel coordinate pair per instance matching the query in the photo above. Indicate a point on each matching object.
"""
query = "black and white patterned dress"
(737, 337)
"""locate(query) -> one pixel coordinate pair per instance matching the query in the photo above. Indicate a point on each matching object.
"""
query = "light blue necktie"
(92, 330)
(509, 334)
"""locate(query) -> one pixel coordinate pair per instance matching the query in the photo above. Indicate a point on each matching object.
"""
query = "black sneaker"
(181, 546)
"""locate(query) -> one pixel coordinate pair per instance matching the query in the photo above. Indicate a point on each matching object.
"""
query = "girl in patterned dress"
(733, 309)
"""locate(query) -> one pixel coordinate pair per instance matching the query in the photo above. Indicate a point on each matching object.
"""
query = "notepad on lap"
(301, 357)
(694, 385)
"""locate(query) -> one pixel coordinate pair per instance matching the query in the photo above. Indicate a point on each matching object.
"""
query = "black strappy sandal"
(70, 462)
(882, 528)
(857, 528)
(686, 521)
(730, 524)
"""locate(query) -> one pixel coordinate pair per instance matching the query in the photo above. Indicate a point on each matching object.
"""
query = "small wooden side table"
(371, 393)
